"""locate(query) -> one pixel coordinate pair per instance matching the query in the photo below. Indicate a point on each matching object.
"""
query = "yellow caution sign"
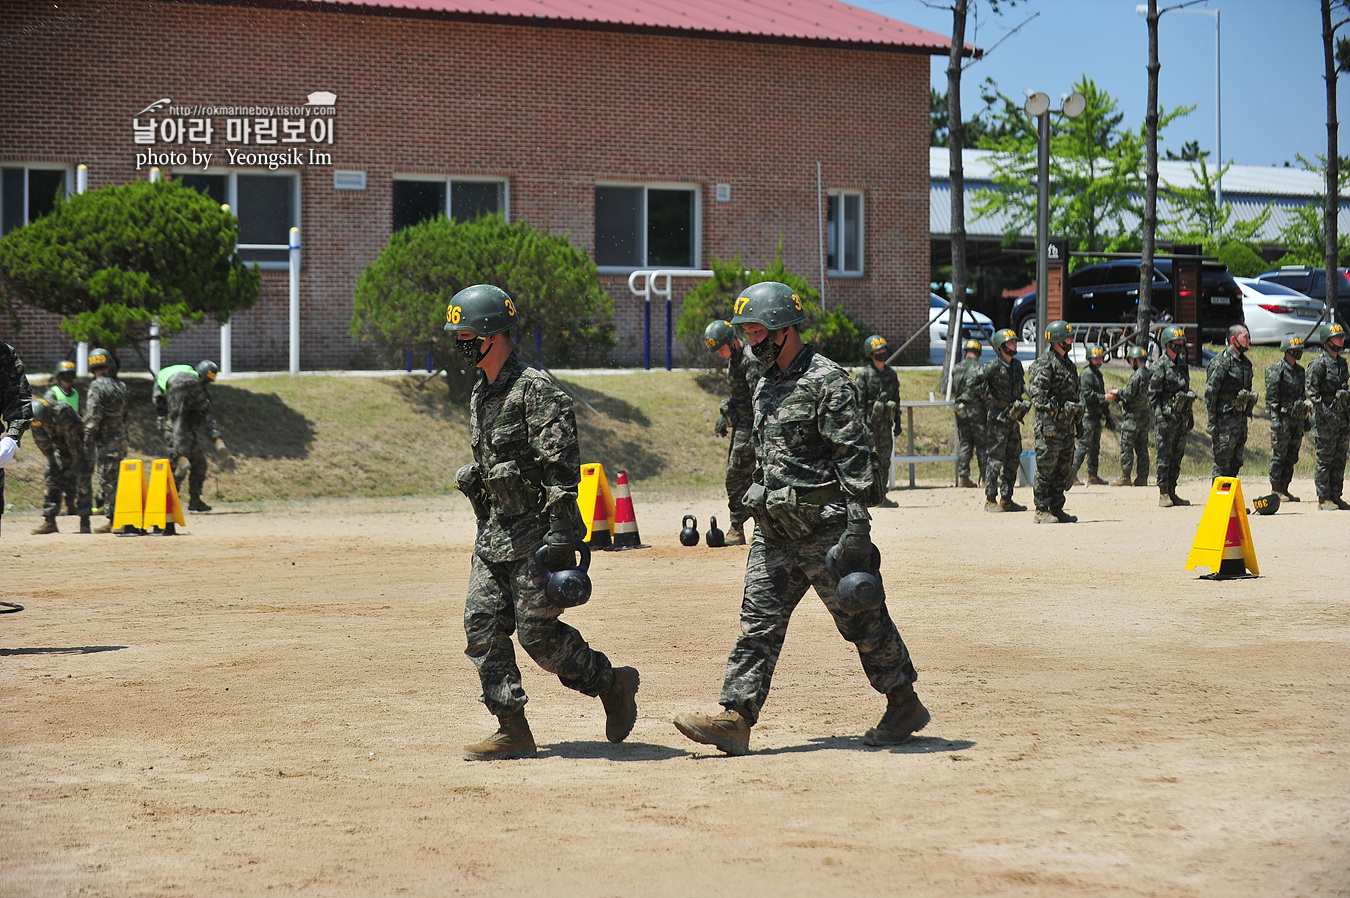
(1223, 541)
(162, 507)
(597, 505)
(129, 507)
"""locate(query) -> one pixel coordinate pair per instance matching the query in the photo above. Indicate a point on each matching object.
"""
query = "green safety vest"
(71, 399)
(162, 378)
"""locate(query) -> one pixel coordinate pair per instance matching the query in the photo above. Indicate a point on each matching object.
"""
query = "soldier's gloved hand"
(561, 551)
(899, 428)
(8, 447)
(222, 452)
(720, 428)
(855, 543)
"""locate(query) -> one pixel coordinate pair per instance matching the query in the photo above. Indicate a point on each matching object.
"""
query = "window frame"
(231, 176)
(835, 234)
(449, 180)
(67, 182)
(696, 227)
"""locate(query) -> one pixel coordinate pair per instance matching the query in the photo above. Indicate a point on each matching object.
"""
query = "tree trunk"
(1144, 316)
(956, 139)
(1333, 207)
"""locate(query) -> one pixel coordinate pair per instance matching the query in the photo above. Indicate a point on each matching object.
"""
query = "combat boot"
(48, 525)
(620, 701)
(736, 535)
(1064, 517)
(728, 731)
(1164, 497)
(1044, 516)
(1094, 480)
(1007, 504)
(992, 507)
(1177, 500)
(84, 524)
(512, 740)
(105, 527)
(195, 503)
(967, 482)
(1284, 494)
(1340, 503)
(1324, 504)
(1123, 479)
(905, 715)
(1142, 479)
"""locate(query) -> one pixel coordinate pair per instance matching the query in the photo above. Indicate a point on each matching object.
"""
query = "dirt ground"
(274, 703)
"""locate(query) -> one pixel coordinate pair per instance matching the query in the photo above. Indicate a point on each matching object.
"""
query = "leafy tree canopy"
(981, 126)
(1304, 235)
(113, 259)
(1196, 218)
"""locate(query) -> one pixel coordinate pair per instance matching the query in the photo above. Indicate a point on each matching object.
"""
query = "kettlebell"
(689, 531)
(568, 587)
(859, 588)
(716, 538)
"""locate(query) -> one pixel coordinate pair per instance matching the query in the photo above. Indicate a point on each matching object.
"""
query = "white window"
(844, 237)
(266, 207)
(418, 198)
(28, 192)
(646, 226)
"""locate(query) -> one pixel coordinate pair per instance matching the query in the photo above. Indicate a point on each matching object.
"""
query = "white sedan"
(973, 323)
(1273, 311)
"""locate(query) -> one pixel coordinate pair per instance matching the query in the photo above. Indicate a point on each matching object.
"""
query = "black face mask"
(469, 349)
(1296, 353)
(767, 350)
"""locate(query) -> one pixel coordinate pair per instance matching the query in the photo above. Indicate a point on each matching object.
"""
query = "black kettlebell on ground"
(860, 587)
(568, 587)
(689, 530)
(716, 538)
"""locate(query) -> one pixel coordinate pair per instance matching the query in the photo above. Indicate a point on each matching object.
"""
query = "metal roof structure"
(794, 21)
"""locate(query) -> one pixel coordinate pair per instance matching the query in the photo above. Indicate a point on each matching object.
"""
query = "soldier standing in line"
(879, 396)
(185, 419)
(58, 432)
(63, 388)
(812, 477)
(1135, 419)
(1054, 393)
(1229, 399)
(523, 487)
(105, 430)
(1094, 397)
(1289, 410)
(1329, 394)
(735, 420)
(971, 439)
(1171, 397)
(16, 397)
(1003, 384)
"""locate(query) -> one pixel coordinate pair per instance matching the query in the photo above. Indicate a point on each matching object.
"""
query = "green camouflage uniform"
(105, 435)
(189, 427)
(1228, 382)
(16, 402)
(1096, 410)
(813, 469)
(743, 370)
(524, 437)
(1284, 394)
(68, 471)
(1003, 384)
(1053, 385)
(971, 439)
(878, 395)
(1172, 419)
(1331, 424)
(1135, 421)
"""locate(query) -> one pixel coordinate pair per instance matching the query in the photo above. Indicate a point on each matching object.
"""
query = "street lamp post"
(1038, 107)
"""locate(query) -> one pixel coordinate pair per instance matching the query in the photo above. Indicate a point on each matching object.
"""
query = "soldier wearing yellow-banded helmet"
(1136, 419)
(1290, 412)
(62, 388)
(1004, 384)
(59, 435)
(968, 395)
(1053, 385)
(1094, 396)
(105, 429)
(735, 420)
(1328, 391)
(1171, 397)
(879, 396)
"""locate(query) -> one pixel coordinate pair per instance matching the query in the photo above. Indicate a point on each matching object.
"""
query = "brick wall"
(552, 110)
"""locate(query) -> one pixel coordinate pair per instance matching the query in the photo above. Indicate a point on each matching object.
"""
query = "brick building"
(662, 138)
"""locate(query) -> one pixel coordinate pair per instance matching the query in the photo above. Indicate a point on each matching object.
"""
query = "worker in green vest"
(184, 410)
(63, 386)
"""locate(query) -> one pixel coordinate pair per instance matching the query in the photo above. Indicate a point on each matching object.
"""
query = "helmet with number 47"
(769, 304)
(483, 309)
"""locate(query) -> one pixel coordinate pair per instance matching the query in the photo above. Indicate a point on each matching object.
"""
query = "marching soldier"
(735, 420)
(1094, 397)
(1289, 410)
(971, 439)
(1135, 419)
(105, 430)
(1003, 384)
(1054, 393)
(1330, 397)
(1229, 399)
(879, 389)
(1171, 397)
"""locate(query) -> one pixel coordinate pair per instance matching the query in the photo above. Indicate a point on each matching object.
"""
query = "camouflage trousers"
(1286, 441)
(776, 577)
(1331, 436)
(1089, 449)
(971, 441)
(67, 479)
(501, 601)
(1054, 465)
(1171, 433)
(1134, 441)
(882, 442)
(1229, 441)
(740, 469)
(188, 439)
(109, 462)
(1004, 453)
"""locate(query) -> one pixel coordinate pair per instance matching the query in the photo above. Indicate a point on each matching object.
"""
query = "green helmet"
(874, 344)
(1327, 331)
(207, 369)
(483, 309)
(718, 334)
(1096, 352)
(1291, 344)
(769, 304)
(100, 358)
(65, 371)
(973, 346)
(1136, 352)
(42, 412)
(1173, 332)
(1001, 337)
(1058, 332)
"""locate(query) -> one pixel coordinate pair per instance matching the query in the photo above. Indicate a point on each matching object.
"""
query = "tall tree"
(1144, 312)
(1335, 56)
(1197, 216)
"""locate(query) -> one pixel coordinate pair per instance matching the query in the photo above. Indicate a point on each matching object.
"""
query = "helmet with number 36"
(483, 309)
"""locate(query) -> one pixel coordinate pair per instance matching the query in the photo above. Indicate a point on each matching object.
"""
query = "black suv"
(1108, 293)
(1313, 282)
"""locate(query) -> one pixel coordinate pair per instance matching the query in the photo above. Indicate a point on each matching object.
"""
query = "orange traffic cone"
(600, 538)
(625, 522)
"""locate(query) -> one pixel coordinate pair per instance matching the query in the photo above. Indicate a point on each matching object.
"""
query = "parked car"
(1312, 282)
(973, 324)
(1273, 311)
(1108, 293)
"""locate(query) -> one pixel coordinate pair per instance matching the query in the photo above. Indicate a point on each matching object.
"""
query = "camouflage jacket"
(743, 371)
(1326, 376)
(1003, 384)
(878, 386)
(1166, 378)
(1092, 391)
(1229, 373)
(966, 390)
(809, 431)
(61, 439)
(523, 433)
(1053, 382)
(16, 396)
(189, 402)
(1133, 397)
(105, 416)
(1284, 387)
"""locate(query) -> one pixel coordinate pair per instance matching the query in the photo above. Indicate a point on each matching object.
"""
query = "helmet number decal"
(510, 307)
(453, 315)
(797, 301)
(741, 302)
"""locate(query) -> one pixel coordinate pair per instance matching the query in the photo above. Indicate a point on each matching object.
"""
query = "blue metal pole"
(668, 334)
(647, 334)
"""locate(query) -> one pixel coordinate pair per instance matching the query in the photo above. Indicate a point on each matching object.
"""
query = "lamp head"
(1037, 103)
(1073, 104)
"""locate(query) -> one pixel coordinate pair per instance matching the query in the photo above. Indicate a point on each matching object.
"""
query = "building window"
(638, 226)
(845, 234)
(462, 199)
(265, 208)
(27, 193)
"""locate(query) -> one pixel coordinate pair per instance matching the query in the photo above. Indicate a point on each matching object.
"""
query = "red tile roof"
(795, 21)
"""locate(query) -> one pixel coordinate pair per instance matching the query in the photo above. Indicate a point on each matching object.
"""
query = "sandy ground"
(274, 702)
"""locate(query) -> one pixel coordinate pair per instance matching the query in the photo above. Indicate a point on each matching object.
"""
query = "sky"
(1273, 95)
